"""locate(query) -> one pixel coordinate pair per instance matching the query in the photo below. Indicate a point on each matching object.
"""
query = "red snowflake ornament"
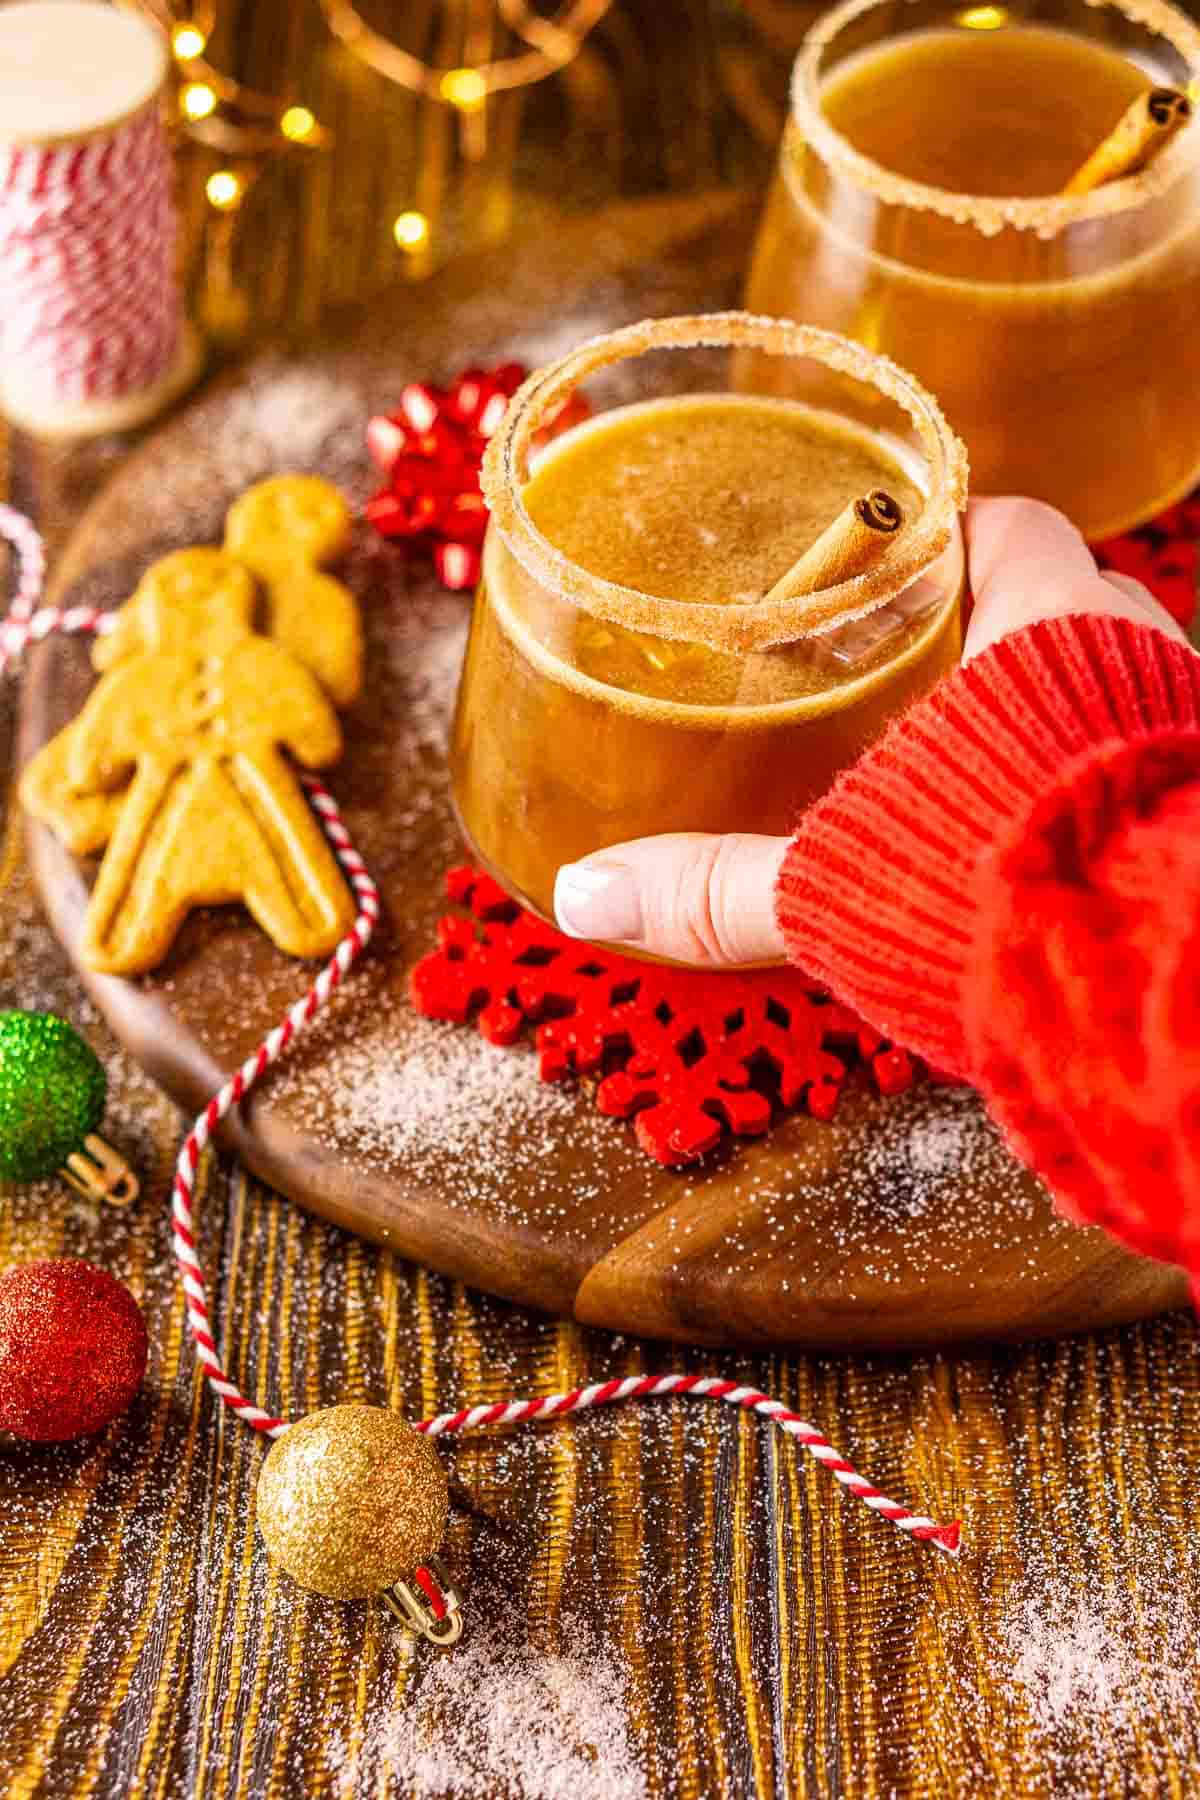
(687, 1056)
(1165, 555)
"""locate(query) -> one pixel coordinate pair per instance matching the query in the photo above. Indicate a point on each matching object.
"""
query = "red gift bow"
(430, 449)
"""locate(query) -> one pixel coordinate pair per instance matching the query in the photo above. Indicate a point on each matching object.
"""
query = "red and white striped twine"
(26, 541)
(89, 305)
(657, 1387)
(16, 634)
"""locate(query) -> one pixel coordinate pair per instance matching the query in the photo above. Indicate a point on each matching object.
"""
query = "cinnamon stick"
(854, 543)
(1142, 133)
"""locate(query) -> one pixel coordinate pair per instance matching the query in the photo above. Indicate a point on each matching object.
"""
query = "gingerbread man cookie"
(85, 822)
(191, 719)
(283, 530)
(181, 584)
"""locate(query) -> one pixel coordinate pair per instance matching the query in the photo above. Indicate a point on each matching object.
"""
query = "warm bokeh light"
(983, 18)
(188, 42)
(464, 88)
(198, 100)
(224, 190)
(298, 123)
(411, 230)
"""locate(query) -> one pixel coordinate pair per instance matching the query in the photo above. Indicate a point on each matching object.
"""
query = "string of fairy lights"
(245, 126)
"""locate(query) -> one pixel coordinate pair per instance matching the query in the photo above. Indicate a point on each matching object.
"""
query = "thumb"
(689, 896)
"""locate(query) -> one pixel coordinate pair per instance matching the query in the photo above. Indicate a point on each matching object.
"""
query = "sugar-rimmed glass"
(592, 710)
(1059, 333)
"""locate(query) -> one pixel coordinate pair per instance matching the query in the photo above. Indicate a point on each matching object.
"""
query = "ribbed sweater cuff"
(875, 894)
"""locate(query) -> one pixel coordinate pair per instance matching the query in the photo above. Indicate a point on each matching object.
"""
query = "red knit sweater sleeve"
(1009, 884)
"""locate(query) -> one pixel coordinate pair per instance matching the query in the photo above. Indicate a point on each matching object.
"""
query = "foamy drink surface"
(708, 498)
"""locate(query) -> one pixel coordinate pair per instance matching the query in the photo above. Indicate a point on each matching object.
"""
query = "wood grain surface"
(742, 1628)
(904, 1223)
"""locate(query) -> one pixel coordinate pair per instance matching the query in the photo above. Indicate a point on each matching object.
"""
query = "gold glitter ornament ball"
(352, 1499)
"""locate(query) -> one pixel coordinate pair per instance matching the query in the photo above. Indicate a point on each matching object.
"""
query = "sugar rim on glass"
(738, 626)
(1045, 214)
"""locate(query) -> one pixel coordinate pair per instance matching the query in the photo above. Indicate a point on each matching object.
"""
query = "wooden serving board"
(903, 1223)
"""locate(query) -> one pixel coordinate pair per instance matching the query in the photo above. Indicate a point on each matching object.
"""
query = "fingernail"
(598, 900)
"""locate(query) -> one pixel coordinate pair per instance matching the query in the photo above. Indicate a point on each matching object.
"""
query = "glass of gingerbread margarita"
(920, 206)
(636, 664)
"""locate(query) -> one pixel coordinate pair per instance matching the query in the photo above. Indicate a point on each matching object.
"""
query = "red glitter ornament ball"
(72, 1349)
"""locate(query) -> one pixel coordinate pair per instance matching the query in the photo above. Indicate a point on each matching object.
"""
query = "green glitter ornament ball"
(52, 1094)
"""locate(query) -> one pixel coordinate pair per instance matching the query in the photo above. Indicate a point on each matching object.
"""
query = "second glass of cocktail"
(925, 203)
(635, 663)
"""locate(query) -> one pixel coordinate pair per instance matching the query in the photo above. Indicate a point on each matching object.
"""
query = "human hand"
(710, 900)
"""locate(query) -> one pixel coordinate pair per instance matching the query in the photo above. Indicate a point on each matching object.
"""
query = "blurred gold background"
(659, 96)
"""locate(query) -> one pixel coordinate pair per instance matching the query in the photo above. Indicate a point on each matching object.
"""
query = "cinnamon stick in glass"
(1142, 133)
(850, 546)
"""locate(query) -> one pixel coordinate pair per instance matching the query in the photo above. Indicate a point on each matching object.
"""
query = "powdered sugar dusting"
(942, 1146)
(933, 1157)
(501, 1719)
(1076, 1659)
(1087, 1668)
(437, 1106)
(435, 1094)
(285, 421)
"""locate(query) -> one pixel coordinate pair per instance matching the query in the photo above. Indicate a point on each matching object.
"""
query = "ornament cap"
(101, 1173)
(429, 1604)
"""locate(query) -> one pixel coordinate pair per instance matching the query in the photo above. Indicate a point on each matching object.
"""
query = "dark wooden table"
(667, 1600)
